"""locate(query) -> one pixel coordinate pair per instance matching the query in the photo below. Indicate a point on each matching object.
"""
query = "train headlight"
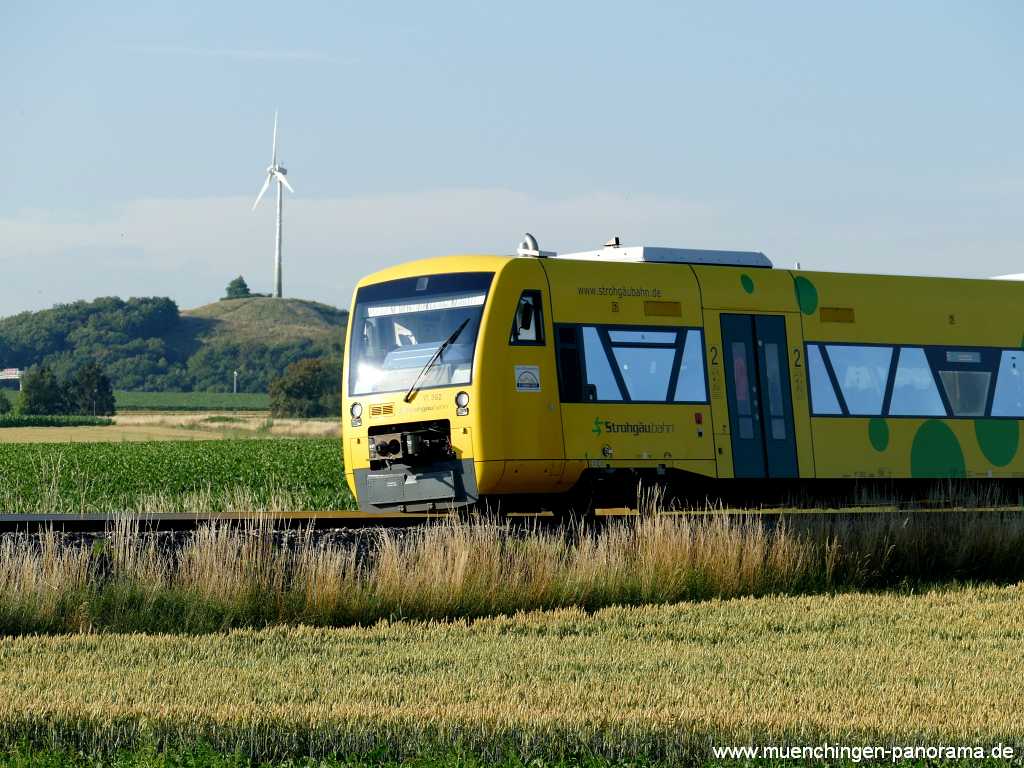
(462, 403)
(356, 410)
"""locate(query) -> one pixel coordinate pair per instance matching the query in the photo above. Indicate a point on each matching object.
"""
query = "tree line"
(87, 393)
(308, 389)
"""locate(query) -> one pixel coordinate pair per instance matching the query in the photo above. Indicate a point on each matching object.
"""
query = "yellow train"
(471, 378)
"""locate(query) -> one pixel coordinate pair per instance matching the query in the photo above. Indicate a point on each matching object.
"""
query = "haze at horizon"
(868, 138)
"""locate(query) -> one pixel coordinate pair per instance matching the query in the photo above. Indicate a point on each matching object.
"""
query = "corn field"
(200, 476)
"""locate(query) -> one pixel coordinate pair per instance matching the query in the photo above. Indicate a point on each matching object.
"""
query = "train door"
(532, 435)
(759, 397)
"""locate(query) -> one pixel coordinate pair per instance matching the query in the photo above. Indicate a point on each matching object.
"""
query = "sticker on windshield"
(527, 378)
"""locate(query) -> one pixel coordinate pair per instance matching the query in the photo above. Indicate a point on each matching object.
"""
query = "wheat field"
(661, 683)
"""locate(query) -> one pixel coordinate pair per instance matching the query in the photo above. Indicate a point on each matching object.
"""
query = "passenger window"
(601, 383)
(862, 373)
(967, 391)
(601, 364)
(690, 386)
(528, 323)
(1009, 397)
(824, 401)
(646, 370)
(914, 392)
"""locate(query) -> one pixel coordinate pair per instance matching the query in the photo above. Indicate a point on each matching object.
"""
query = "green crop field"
(178, 476)
(191, 401)
(644, 683)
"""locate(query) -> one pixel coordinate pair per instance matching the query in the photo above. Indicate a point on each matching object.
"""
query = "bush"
(308, 388)
(42, 393)
(90, 392)
(9, 420)
(237, 289)
(5, 404)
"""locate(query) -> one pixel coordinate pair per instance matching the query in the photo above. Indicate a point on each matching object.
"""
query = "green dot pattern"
(878, 434)
(998, 439)
(747, 282)
(806, 295)
(936, 452)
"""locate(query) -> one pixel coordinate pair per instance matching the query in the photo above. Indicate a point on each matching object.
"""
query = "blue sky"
(859, 137)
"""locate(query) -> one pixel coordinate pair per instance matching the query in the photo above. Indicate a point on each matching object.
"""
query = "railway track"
(178, 521)
(93, 522)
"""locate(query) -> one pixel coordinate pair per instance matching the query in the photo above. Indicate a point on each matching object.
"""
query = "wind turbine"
(276, 172)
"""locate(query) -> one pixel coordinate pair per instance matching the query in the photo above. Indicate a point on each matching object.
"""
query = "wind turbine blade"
(280, 177)
(263, 189)
(273, 152)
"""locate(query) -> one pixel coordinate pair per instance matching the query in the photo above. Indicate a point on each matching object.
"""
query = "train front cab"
(482, 419)
(409, 420)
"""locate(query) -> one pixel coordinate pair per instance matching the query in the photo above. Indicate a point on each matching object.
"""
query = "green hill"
(277, 321)
(147, 344)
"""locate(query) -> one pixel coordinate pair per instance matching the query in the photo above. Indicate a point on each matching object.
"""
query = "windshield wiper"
(434, 358)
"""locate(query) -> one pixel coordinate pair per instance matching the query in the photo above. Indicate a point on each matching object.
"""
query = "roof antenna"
(613, 243)
(529, 247)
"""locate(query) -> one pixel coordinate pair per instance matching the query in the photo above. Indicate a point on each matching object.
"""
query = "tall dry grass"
(220, 576)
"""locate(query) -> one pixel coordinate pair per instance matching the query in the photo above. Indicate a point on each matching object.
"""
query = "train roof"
(662, 255)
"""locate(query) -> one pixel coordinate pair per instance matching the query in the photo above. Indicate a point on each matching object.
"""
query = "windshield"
(399, 325)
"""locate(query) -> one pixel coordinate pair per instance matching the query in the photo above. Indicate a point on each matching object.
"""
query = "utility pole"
(234, 391)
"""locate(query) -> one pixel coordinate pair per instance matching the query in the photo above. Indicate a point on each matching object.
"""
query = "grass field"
(191, 401)
(660, 683)
(181, 476)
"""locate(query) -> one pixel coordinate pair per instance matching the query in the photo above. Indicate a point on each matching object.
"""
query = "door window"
(741, 377)
(776, 410)
(528, 323)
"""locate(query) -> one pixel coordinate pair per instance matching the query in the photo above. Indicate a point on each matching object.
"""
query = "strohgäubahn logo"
(634, 428)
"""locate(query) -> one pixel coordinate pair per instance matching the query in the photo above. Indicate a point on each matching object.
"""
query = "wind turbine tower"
(276, 173)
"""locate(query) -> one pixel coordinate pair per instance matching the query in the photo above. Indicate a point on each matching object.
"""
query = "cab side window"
(528, 323)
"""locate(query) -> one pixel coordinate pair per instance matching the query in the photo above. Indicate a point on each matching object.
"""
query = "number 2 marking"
(714, 355)
(796, 357)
